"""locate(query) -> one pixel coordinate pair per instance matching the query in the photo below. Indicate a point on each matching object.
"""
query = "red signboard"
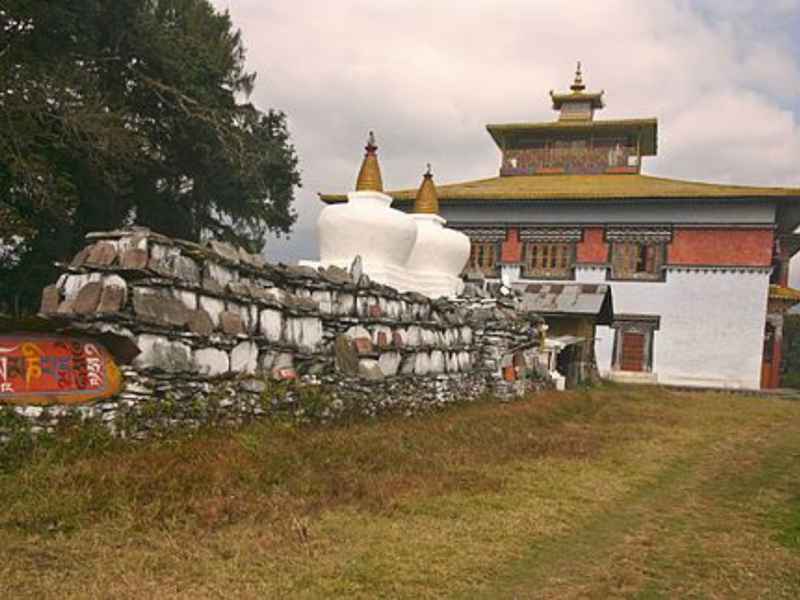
(55, 370)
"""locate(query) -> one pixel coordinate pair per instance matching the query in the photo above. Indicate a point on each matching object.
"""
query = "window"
(548, 260)
(637, 260)
(483, 257)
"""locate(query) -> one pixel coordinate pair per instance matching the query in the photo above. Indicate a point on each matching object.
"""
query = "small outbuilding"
(572, 312)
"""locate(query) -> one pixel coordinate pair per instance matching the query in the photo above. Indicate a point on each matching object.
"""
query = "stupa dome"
(440, 253)
(367, 226)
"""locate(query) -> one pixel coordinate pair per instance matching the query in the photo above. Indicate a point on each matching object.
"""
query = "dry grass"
(619, 492)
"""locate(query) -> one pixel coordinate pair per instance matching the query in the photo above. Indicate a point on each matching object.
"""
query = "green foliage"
(20, 442)
(72, 438)
(121, 111)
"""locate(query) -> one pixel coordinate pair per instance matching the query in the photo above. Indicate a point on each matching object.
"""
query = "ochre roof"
(648, 128)
(780, 292)
(586, 187)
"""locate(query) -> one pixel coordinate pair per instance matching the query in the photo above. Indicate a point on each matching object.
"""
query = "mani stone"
(300, 303)
(225, 250)
(283, 360)
(216, 277)
(280, 366)
(422, 364)
(304, 332)
(345, 355)
(159, 308)
(199, 322)
(80, 258)
(113, 298)
(211, 361)
(357, 269)
(383, 339)
(284, 373)
(134, 259)
(254, 260)
(51, 297)
(436, 364)
(103, 254)
(301, 272)
(389, 362)
(363, 345)
(231, 323)
(244, 358)
(213, 306)
(176, 266)
(369, 369)
(237, 288)
(185, 269)
(271, 324)
(159, 352)
(452, 362)
(398, 339)
(88, 298)
(67, 307)
(336, 275)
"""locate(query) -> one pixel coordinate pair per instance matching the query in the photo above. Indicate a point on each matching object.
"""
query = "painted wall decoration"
(579, 159)
(51, 369)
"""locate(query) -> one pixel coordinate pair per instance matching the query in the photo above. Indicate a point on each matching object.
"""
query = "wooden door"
(632, 355)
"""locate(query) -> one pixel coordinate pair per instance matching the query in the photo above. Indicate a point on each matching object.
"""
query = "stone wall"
(224, 336)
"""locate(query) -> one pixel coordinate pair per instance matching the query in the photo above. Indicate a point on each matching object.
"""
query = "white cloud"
(427, 77)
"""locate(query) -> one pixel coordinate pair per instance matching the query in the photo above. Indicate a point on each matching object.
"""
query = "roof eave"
(499, 130)
(651, 197)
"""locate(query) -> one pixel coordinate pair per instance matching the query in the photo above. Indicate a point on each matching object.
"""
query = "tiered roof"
(576, 188)
(504, 133)
(573, 187)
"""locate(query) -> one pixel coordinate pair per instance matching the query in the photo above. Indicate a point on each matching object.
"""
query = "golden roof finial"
(369, 177)
(427, 201)
(578, 86)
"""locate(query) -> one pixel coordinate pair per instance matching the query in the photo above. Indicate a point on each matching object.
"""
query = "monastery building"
(698, 271)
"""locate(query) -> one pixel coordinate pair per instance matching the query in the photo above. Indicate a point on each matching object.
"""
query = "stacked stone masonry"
(225, 336)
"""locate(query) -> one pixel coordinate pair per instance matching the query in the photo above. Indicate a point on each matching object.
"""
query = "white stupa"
(440, 253)
(407, 252)
(367, 226)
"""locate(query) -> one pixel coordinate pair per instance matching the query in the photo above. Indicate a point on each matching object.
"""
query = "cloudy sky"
(722, 76)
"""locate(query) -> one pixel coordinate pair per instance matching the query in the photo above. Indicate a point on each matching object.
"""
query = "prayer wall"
(220, 336)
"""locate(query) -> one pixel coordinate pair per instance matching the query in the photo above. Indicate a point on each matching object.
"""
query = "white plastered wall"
(711, 323)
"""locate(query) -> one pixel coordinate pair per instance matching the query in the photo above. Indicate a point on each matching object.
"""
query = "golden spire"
(369, 177)
(427, 202)
(578, 86)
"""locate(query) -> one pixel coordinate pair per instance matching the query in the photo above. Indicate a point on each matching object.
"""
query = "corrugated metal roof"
(569, 299)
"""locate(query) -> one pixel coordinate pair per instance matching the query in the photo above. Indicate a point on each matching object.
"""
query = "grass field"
(616, 492)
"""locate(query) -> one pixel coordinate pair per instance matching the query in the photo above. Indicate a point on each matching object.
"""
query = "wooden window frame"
(657, 256)
(562, 252)
(492, 272)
